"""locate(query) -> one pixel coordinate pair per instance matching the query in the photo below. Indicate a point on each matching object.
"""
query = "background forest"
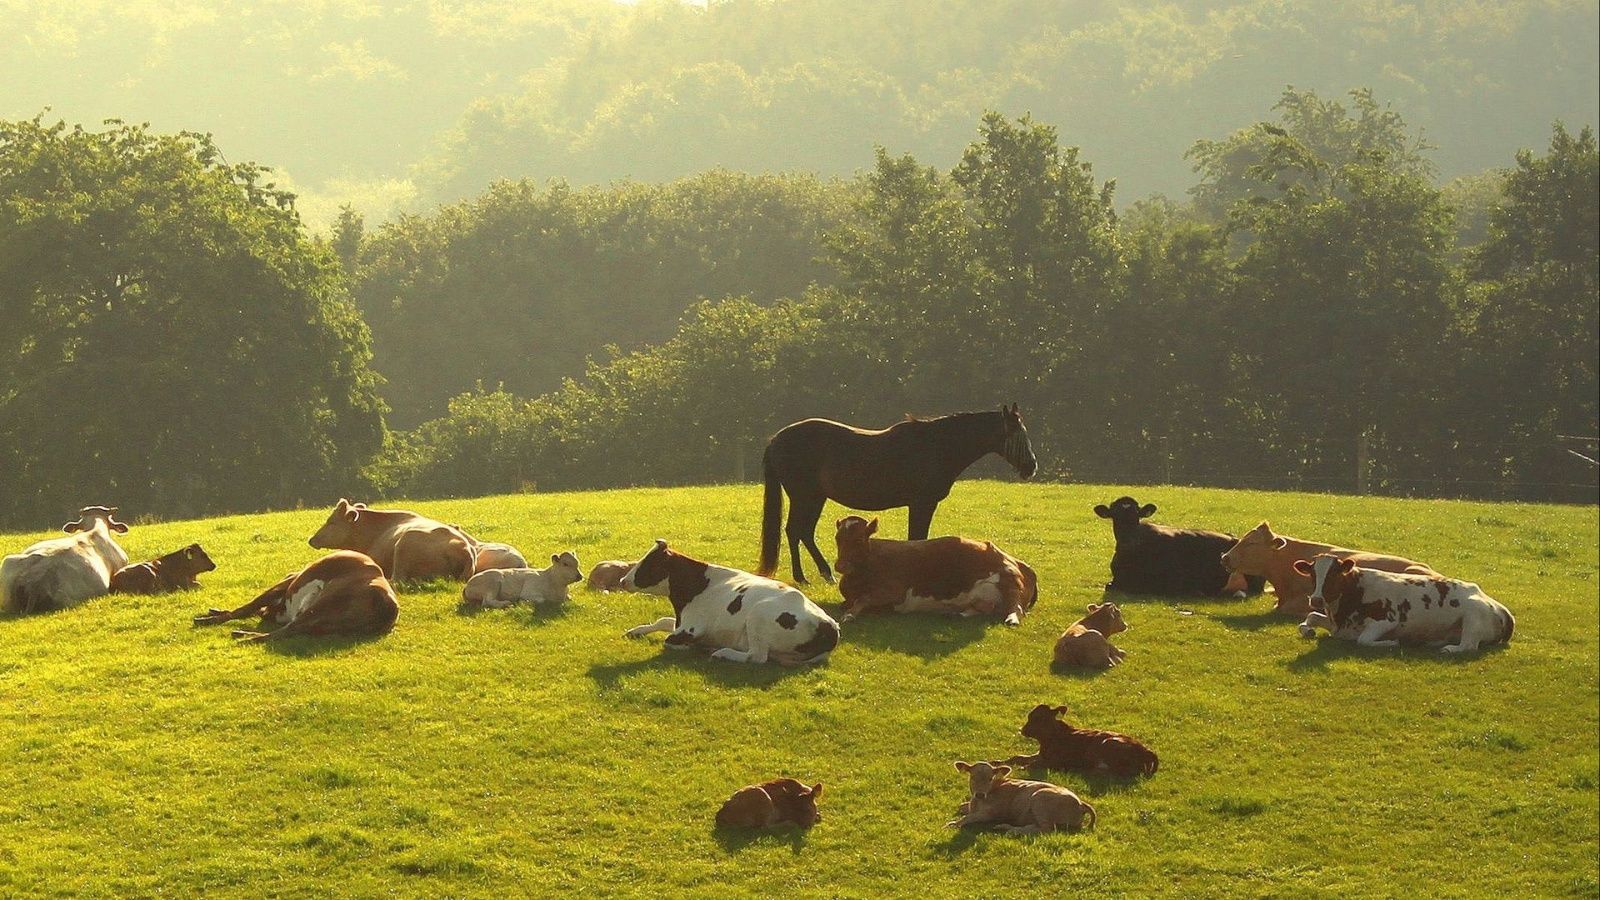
(1275, 279)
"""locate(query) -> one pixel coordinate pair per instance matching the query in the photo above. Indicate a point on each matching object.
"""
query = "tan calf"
(1087, 642)
(782, 801)
(607, 576)
(1019, 807)
(1273, 556)
(407, 546)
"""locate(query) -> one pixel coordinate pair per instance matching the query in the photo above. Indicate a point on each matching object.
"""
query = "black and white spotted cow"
(1382, 609)
(745, 617)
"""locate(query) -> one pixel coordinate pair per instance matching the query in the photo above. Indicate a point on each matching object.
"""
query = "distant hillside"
(420, 102)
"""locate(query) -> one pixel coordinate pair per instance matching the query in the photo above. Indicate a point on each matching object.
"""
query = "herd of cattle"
(1374, 599)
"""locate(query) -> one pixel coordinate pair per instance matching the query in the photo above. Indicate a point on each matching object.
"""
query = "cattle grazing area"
(475, 752)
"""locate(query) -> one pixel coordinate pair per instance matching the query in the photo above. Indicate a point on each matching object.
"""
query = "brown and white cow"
(344, 593)
(945, 574)
(781, 801)
(1273, 556)
(64, 571)
(739, 616)
(1018, 807)
(1087, 642)
(408, 546)
(1384, 609)
(176, 571)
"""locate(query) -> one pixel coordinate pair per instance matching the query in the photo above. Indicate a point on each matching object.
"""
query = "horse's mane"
(923, 420)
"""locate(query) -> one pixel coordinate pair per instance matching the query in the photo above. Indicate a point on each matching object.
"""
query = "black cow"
(1155, 559)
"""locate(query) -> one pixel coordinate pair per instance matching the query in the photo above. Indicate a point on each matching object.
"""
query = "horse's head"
(1015, 447)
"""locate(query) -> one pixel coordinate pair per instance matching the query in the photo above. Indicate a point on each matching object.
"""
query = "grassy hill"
(468, 754)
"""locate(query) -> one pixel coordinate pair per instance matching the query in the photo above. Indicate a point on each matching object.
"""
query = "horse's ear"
(872, 527)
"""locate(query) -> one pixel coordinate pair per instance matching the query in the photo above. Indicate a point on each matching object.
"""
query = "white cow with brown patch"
(743, 617)
(1384, 609)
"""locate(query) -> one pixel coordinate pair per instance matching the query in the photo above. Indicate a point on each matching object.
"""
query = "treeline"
(1309, 308)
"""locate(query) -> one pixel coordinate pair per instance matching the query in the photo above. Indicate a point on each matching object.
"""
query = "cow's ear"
(1147, 510)
(188, 552)
(816, 790)
(342, 505)
(352, 514)
(72, 527)
(1278, 543)
(1303, 566)
(1000, 772)
(872, 527)
(1059, 710)
(555, 559)
(1092, 607)
(963, 766)
(661, 543)
(1102, 511)
(1345, 565)
(118, 527)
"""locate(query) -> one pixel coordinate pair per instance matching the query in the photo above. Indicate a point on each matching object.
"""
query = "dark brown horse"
(911, 463)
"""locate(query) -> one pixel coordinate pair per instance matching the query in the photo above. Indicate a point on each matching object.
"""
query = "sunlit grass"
(524, 752)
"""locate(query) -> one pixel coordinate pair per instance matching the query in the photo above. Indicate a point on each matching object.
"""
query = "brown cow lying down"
(174, 572)
(1088, 751)
(782, 801)
(343, 593)
(946, 574)
(407, 546)
(1087, 642)
(1262, 553)
(1019, 807)
(607, 576)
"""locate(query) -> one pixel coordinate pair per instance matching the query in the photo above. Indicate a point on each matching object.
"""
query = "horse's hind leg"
(802, 527)
(920, 521)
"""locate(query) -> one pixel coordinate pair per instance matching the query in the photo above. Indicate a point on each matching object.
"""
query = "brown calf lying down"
(1019, 807)
(1091, 752)
(343, 593)
(782, 801)
(407, 546)
(1087, 642)
(945, 574)
(1262, 553)
(607, 576)
(175, 571)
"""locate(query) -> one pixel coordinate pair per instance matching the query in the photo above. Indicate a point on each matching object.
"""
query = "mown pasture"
(478, 753)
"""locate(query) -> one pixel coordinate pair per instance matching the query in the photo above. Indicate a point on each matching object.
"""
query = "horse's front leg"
(921, 520)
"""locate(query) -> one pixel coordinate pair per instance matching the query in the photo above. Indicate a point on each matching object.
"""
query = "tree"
(173, 342)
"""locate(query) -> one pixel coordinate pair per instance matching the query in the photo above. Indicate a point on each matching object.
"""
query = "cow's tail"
(1508, 625)
(771, 516)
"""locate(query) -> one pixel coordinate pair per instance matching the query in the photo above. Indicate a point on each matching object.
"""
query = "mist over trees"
(418, 103)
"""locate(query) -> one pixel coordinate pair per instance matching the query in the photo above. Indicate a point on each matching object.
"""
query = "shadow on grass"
(926, 636)
(733, 840)
(308, 647)
(608, 676)
(529, 614)
(1329, 649)
(1254, 621)
(1094, 785)
(1067, 670)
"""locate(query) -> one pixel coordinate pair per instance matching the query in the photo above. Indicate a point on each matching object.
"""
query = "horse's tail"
(771, 516)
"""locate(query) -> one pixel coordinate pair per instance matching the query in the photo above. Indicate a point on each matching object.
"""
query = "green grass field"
(523, 752)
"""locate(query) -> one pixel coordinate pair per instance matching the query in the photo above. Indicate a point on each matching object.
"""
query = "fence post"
(1361, 464)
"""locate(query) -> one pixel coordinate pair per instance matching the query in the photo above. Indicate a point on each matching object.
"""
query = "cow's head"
(983, 777)
(1105, 618)
(337, 531)
(649, 575)
(192, 559)
(566, 563)
(1043, 722)
(1331, 579)
(89, 515)
(1253, 551)
(1125, 509)
(795, 801)
(1014, 445)
(850, 536)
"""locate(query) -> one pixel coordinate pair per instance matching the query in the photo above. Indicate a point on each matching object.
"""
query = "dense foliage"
(1312, 301)
(173, 342)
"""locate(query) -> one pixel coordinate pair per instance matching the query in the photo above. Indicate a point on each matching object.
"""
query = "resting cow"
(499, 588)
(64, 571)
(607, 576)
(1087, 642)
(496, 556)
(1178, 562)
(745, 617)
(175, 571)
(1383, 609)
(781, 801)
(1085, 750)
(1273, 556)
(1019, 807)
(408, 547)
(946, 574)
(344, 593)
